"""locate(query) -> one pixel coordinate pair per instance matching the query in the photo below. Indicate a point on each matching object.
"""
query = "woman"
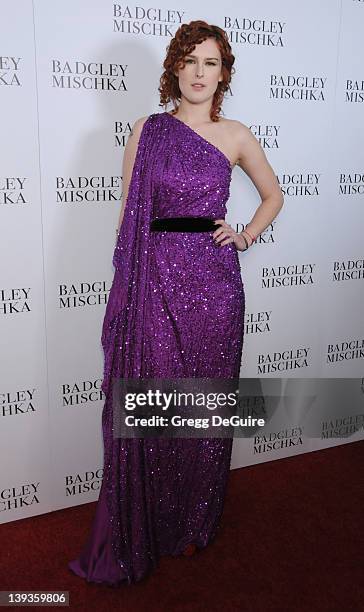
(176, 307)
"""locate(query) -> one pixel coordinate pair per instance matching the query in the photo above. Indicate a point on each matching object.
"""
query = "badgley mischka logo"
(15, 300)
(75, 74)
(12, 190)
(354, 90)
(81, 392)
(278, 440)
(76, 484)
(258, 322)
(287, 276)
(19, 496)
(88, 189)
(9, 71)
(137, 20)
(13, 403)
(121, 133)
(252, 31)
(300, 183)
(283, 361)
(347, 350)
(297, 87)
(267, 135)
(349, 269)
(351, 183)
(83, 294)
(342, 427)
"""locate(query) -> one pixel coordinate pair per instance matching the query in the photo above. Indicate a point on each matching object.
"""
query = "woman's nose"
(199, 70)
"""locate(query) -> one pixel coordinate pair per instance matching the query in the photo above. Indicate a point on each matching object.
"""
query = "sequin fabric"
(176, 309)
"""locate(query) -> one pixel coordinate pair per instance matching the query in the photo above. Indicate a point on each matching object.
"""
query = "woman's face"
(203, 66)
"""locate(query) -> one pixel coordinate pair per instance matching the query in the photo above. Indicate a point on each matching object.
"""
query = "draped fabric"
(175, 309)
(126, 303)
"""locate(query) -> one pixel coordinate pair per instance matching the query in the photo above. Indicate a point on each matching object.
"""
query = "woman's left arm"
(252, 160)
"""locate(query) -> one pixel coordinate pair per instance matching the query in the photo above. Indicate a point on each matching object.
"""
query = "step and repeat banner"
(74, 76)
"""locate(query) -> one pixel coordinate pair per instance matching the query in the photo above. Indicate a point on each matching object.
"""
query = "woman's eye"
(188, 61)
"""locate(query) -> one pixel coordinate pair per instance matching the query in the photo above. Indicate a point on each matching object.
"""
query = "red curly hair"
(186, 38)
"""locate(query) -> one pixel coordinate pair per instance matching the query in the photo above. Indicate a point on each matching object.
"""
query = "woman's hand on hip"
(225, 234)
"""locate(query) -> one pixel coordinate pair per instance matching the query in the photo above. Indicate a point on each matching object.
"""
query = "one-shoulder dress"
(175, 310)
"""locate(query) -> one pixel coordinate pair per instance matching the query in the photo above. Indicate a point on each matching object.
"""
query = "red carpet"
(291, 539)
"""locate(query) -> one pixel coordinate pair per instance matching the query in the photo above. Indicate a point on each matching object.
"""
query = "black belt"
(184, 224)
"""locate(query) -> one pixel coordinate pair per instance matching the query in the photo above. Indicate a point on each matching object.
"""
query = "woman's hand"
(226, 234)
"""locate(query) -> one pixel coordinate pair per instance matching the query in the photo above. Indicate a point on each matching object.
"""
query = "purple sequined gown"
(176, 309)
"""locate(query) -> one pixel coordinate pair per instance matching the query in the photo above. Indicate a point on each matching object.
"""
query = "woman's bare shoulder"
(240, 140)
(236, 129)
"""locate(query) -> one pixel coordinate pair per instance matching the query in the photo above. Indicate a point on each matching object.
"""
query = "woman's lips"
(198, 87)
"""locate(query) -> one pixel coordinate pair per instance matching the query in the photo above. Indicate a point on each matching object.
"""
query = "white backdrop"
(74, 76)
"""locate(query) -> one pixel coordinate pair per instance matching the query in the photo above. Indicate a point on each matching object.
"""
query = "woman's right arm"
(130, 151)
